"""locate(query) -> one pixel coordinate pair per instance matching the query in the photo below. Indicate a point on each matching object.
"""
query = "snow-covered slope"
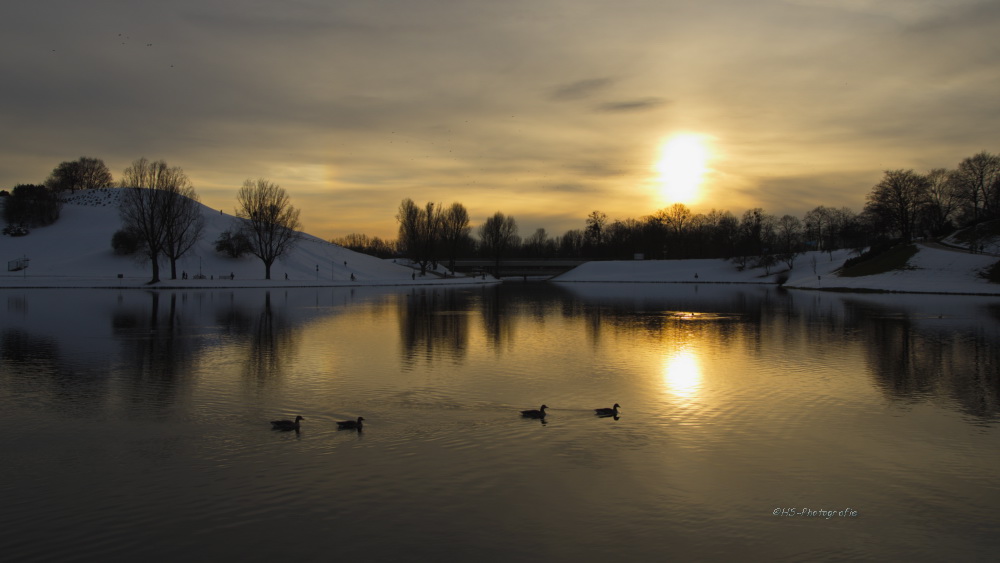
(931, 270)
(76, 252)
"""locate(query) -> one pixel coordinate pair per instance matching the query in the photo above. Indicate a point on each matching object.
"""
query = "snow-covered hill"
(76, 252)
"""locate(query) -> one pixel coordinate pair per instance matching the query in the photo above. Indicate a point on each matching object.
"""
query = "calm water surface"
(136, 424)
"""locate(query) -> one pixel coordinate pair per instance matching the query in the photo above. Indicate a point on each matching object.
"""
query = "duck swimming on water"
(350, 424)
(532, 413)
(613, 411)
(286, 424)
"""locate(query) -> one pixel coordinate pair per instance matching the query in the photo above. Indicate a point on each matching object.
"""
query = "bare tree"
(819, 227)
(82, 174)
(185, 225)
(724, 229)
(419, 232)
(676, 217)
(594, 232)
(498, 235)
(898, 198)
(148, 208)
(373, 246)
(536, 245)
(570, 244)
(942, 200)
(977, 180)
(753, 227)
(455, 231)
(789, 236)
(269, 221)
(675, 220)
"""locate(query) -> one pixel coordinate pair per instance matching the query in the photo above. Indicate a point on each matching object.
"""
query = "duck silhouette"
(613, 411)
(350, 424)
(286, 424)
(532, 413)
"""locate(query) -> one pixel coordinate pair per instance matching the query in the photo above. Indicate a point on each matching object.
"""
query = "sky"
(544, 110)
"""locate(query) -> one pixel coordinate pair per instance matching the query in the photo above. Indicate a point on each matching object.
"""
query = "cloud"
(580, 89)
(795, 195)
(570, 188)
(629, 106)
(537, 111)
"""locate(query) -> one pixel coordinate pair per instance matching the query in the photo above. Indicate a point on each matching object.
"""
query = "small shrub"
(125, 243)
(992, 273)
(15, 230)
(232, 244)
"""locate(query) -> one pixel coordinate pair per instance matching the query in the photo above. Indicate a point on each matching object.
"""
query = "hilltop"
(75, 251)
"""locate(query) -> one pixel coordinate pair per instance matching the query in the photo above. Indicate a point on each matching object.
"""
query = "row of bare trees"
(756, 238)
(904, 204)
(432, 233)
(908, 203)
(159, 208)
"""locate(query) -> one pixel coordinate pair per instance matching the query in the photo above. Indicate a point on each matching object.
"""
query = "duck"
(286, 424)
(613, 411)
(350, 424)
(532, 413)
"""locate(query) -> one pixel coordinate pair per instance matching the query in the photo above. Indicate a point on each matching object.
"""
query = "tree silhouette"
(269, 221)
(498, 235)
(898, 199)
(156, 208)
(82, 174)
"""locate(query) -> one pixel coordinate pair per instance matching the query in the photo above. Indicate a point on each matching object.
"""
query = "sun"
(682, 373)
(682, 166)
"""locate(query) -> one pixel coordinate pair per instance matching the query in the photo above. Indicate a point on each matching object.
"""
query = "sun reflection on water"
(682, 373)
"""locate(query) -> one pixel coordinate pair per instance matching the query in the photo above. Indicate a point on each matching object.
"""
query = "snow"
(931, 270)
(76, 251)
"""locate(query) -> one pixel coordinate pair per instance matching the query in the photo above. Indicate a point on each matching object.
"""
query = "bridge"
(518, 268)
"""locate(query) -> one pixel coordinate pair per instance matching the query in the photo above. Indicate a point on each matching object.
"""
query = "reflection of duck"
(532, 413)
(613, 411)
(350, 424)
(286, 424)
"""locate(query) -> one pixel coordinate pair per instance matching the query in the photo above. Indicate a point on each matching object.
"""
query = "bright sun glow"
(682, 165)
(682, 373)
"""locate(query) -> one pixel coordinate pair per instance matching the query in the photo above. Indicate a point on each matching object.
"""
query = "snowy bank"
(76, 251)
(931, 270)
(698, 271)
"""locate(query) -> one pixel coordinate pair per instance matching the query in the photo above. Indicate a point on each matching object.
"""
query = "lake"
(755, 423)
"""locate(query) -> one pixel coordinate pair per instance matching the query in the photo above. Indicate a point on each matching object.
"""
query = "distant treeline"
(905, 204)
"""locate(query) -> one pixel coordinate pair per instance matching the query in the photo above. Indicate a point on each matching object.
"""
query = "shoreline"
(84, 283)
(55, 282)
